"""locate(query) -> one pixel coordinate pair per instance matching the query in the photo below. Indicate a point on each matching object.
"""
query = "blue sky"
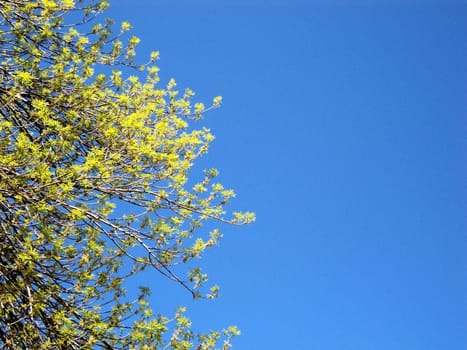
(343, 128)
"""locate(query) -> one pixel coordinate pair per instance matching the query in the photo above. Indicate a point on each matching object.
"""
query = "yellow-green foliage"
(76, 145)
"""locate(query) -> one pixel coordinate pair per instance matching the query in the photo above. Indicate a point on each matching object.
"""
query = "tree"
(82, 138)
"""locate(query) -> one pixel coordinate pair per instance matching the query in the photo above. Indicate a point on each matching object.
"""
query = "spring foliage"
(82, 140)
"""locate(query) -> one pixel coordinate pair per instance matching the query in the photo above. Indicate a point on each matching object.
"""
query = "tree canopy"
(94, 162)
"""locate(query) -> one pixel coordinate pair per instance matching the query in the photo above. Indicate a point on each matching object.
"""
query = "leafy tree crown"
(94, 164)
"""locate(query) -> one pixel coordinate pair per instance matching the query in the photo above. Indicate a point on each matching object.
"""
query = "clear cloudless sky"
(343, 128)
